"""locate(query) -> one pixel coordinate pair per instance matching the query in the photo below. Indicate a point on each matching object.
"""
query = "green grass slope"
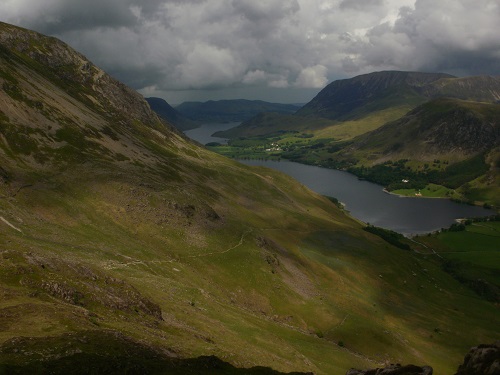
(469, 252)
(120, 238)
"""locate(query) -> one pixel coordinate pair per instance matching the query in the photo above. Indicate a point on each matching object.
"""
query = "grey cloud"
(256, 11)
(67, 16)
(360, 4)
(449, 35)
(61, 16)
(260, 19)
(182, 46)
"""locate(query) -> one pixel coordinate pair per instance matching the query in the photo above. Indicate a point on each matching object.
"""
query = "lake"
(203, 134)
(364, 200)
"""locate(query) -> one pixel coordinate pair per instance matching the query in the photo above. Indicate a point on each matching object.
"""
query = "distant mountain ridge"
(392, 93)
(346, 98)
(167, 112)
(231, 110)
(384, 117)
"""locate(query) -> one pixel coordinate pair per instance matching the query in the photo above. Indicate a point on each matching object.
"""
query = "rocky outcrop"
(482, 360)
(70, 68)
(394, 370)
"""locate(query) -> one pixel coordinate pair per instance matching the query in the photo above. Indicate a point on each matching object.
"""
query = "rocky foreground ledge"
(481, 360)
(394, 370)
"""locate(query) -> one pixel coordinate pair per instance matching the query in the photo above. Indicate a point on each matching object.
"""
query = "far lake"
(367, 201)
(203, 134)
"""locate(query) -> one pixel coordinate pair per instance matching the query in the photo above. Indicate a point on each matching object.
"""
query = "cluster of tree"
(335, 201)
(392, 174)
(455, 227)
(389, 236)
(461, 226)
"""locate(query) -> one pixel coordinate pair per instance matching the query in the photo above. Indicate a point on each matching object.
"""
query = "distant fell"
(231, 110)
(349, 98)
(167, 112)
(355, 97)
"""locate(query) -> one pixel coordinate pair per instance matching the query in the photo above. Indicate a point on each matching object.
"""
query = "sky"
(275, 50)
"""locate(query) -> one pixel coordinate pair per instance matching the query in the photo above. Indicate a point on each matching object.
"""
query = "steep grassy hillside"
(124, 247)
(480, 89)
(470, 254)
(440, 127)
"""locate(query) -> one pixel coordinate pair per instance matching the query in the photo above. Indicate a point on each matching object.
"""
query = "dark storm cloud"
(55, 17)
(173, 47)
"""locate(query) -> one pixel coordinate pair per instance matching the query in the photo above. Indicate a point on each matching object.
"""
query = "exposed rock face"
(394, 370)
(482, 360)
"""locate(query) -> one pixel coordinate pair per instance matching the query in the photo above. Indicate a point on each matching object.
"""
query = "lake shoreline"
(367, 202)
(412, 196)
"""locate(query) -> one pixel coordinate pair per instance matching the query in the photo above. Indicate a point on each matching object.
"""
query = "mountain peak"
(352, 97)
(77, 111)
(68, 68)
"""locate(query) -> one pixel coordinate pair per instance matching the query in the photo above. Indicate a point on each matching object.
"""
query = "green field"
(430, 191)
(472, 255)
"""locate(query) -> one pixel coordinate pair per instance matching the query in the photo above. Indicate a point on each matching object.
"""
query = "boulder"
(482, 360)
(394, 370)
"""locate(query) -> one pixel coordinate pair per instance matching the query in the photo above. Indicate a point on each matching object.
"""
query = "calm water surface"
(203, 134)
(368, 202)
(365, 200)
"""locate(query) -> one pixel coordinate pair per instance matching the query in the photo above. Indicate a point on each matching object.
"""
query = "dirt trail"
(427, 247)
(224, 251)
(133, 262)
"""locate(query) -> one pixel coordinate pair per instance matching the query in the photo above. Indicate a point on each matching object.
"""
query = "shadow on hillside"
(109, 352)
